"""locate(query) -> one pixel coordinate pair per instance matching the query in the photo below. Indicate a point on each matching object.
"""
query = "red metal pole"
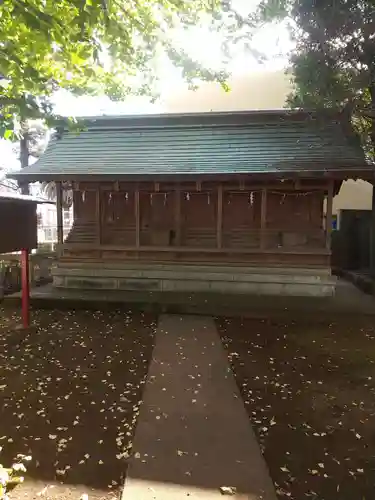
(25, 288)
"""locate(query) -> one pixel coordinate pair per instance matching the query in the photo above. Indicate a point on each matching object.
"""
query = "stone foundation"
(150, 277)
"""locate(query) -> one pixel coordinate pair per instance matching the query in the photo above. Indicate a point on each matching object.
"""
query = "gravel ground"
(309, 391)
(70, 393)
(69, 397)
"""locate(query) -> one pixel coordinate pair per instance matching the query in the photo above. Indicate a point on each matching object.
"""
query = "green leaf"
(91, 47)
(8, 134)
(333, 59)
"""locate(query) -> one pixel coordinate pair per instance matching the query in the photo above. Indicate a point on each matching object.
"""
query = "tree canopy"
(88, 47)
(334, 57)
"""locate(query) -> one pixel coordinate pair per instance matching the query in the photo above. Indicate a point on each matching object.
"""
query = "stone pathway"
(193, 435)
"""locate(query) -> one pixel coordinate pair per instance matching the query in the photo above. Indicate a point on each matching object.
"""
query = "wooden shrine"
(210, 202)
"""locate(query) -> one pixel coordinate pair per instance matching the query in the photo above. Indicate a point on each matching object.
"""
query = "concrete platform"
(361, 279)
(193, 435)
(348, 300)
(197, 278)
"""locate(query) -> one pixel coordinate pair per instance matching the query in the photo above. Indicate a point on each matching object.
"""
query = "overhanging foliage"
(334, 57)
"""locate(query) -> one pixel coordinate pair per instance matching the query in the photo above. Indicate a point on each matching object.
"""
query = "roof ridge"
(202, 119)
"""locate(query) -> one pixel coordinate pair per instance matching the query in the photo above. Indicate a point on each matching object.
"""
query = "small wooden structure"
(222, 202)
(18, 232)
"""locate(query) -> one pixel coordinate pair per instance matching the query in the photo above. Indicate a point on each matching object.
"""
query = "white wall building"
(47, 223)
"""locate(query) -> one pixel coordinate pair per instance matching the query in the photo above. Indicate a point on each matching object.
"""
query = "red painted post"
(25, 288)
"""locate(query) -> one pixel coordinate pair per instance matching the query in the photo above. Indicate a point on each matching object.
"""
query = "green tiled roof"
(201, 144)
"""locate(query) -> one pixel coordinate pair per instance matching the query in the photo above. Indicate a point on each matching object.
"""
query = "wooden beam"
(219, 220)
(137, 218)
(98, 217)
(274, 187)
(329, 215)
(177, 220)
(263, 218)
(199, 186)
(193, 250)
(59, 217)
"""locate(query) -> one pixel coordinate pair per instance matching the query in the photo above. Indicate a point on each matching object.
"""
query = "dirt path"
(69, 396)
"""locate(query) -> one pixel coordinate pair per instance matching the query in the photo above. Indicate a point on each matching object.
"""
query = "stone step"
(238, 280)
(113, 269)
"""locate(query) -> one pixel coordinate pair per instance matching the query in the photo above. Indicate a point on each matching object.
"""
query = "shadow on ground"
(309, 391)
(348, 300)
(70, 394)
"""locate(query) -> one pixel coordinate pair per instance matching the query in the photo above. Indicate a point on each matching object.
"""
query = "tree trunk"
(24, 157)
(372, 114)
(372, 137)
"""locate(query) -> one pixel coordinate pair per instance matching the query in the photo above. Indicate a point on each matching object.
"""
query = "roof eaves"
(322, 170)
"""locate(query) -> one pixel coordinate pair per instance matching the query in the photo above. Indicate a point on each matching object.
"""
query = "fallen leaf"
(228, 490)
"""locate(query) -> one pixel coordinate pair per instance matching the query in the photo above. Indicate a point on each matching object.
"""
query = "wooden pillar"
(98, 217)
(263, 219)
(25, 288)
(59, 215)
(137, 218)
(177, 220)
(219, 220)
(31, 270)
(329, 215)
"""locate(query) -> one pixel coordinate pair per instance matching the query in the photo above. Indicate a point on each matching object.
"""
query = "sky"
(205, 47)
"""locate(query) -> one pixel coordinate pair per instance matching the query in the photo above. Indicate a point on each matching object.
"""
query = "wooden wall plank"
(178, 214)
(137, 218)
(219, 227)
(98, 217)
(263, 218)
